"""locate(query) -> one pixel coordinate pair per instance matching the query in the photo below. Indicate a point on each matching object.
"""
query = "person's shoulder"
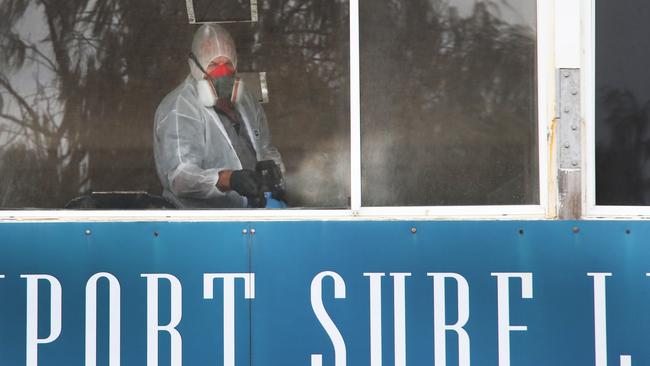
(186, 89)
(184, 94)
(247, 98)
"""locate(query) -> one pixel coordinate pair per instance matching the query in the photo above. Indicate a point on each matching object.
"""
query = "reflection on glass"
(304, 48)
(449, 102)
(80, 82)
(622, 103)
(222, 10)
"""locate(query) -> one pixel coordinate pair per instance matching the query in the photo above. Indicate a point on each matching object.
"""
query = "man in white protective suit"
(210, 132)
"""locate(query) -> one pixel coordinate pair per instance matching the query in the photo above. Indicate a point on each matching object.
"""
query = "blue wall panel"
(278, 327)
(125, 250)
(560, 317)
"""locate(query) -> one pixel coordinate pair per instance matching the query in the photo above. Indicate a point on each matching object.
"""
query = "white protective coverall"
(191, 145)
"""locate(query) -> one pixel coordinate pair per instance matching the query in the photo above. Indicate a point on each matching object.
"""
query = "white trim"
(567, 34)
(618, 212)
(168, 215)
(509, 211)
(366, 214)
(355, 108)
(545, 100)
(589, 104)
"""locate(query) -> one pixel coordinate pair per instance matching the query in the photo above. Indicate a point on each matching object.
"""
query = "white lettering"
(375, 318)
(399, 314)
(32, 314)
(600, 320)
(439, 316)
(114, 319)
(600, 317)
(625, 361)
(229, 306)
(503, 303)
(340, 356)
(153, 328)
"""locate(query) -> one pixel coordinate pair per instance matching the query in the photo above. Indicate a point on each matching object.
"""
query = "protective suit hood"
(211, 41)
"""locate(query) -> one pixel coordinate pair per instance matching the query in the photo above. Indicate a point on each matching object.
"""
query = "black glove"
(248, 184)
(272, 179)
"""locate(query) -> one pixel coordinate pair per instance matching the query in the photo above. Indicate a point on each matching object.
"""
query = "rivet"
(574, 127)
(575, 229)
(252, 231)
(566, 146)
(521, 231)
(566, 74)
(574, 92)
(628, 231)
(88, 232)
(414, 230)
(567, 110)
(156, 234)
(574, 163)
(244, 231)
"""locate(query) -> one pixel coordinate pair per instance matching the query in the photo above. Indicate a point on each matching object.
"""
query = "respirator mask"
(219, 85)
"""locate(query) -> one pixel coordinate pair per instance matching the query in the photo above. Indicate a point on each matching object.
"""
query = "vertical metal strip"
(264, 88)
(355, 108)
(190, 11)
(569, 131)
(569, 145)
(254, 13)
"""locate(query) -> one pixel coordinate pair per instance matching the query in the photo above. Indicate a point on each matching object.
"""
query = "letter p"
(32, 315)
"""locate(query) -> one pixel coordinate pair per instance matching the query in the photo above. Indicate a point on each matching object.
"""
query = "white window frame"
(591, 209)
(545, 102)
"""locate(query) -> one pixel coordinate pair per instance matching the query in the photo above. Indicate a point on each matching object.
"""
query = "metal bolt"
(566, 74)
(88, 232)
(244, 231)
(567, 110)
(414, 230)
(567, 145)
(574, 92)
(574, 127)
(252, 231)
(156, 234)
(575, 229)
(574, 163)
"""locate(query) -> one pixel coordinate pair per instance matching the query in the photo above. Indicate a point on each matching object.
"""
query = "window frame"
(545, 111)
(192, 18)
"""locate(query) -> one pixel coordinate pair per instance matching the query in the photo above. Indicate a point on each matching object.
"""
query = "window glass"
(80, 83)
(223, 10)
(622, 102)
(449, 102)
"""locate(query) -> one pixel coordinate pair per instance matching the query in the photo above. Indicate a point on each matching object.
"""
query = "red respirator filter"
(221, 70)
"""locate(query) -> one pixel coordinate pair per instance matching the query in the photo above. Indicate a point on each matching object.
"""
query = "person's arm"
(245, 182)
(181, 136)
